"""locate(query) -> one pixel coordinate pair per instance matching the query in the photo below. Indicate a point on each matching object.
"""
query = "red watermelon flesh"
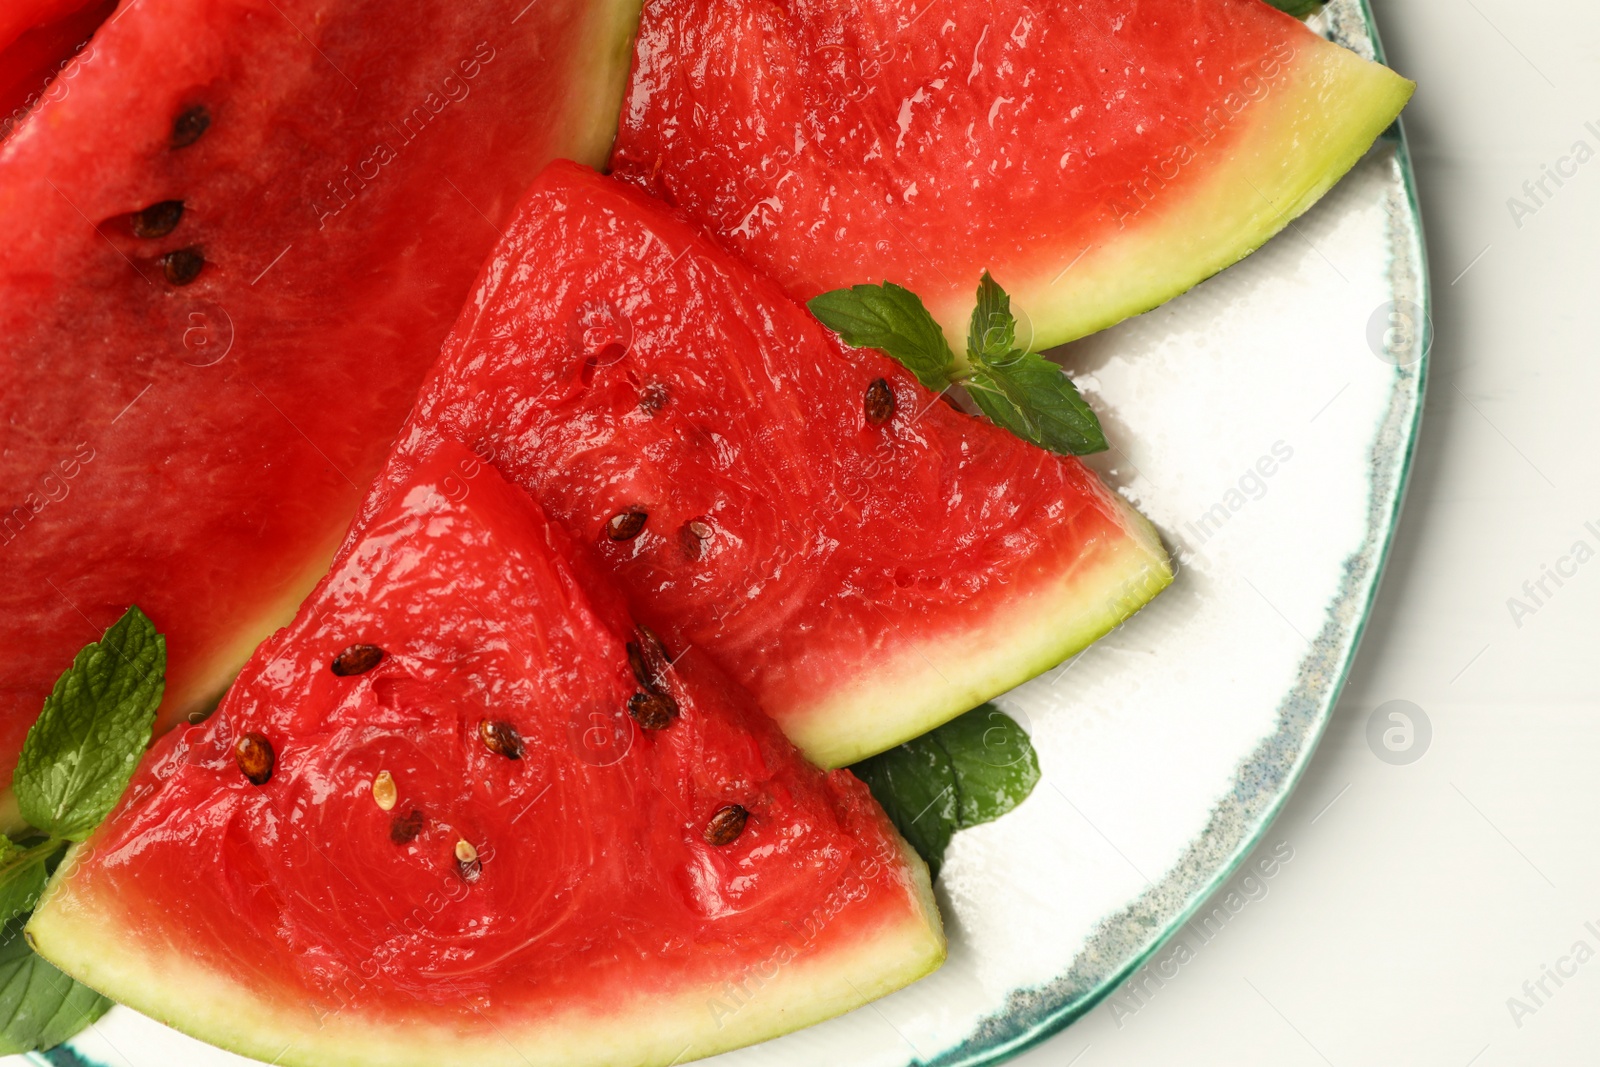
(1097, 156)
(197, 443)
(299, 921)
(866, 581)
(37, 40)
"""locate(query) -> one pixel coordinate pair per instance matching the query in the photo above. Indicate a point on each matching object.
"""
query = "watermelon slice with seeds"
(868, 561)
(1098, 157)
(427, 826)
(236, 233)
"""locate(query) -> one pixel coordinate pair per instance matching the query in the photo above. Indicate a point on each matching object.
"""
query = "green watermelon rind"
(87, 938)
(1028, 630)
(1300, 140)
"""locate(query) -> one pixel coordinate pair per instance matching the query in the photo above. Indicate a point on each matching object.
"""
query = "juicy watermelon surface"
(1098, 156)
(865, 581)
(37, 40)
(188, 417)
(299, 921)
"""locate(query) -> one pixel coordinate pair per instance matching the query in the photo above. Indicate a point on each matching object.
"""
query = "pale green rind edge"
(1026, 640)
(655, 1031)
(1077, 302)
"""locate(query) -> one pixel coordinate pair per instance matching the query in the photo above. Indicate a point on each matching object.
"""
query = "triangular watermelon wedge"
(868, 561)
(191, 402)
(1098, 157)
(465, 850)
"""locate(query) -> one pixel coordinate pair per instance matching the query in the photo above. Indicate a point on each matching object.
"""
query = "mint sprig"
(76, 762)
(971, 770)
(1018, 390)
(22, 876)
(891, 319)
(915, 784)
(992, 333)
(1028, 395)
(81, 752)
(1300, 9)
(39, 1006)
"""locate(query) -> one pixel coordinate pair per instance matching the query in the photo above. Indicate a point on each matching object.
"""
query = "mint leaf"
(994, 763)
(22, 877)
(39, 1006)
(894, 321)
(1034, 399)
(1019, 391)
(971, 770)
(993, 332)
(916, 787)
(79, 755)
(75, 763)
(1300, 9)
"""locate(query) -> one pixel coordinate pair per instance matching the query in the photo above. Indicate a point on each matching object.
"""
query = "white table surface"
(1420, 898)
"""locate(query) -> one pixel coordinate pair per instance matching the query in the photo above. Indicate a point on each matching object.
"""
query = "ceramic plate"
(1265, 422)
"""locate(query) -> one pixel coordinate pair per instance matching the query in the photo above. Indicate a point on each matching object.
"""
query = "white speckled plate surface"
(1265, 422)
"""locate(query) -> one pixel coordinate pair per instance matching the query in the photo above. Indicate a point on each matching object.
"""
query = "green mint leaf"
(79, 755)
(22, 877)
(1300, 9)
(1034, 399)
(894, 321)
(971, 770)
(994, 763)
(993, 332)
(39, 1006)
(916, 787)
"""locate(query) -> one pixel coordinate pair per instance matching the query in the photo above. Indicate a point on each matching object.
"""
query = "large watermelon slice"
(867, 560)
(1098, 157)
(463, 850)
(191, 401)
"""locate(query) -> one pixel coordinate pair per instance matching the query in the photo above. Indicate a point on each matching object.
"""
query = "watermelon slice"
(1097, 157)
(192, 400)
(866, 560)
(464, 850)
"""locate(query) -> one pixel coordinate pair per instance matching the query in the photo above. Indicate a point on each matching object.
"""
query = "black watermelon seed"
(641, 673)
(501, 738)
(656, 660)
(188, 126)
(253, 753)
(879, 402)
(403, 829)
(726, 825)
(693, 537)
(653, 397)
(158, 219)
(652, 710)
(625, 525)
(183, 266)
(357, 659)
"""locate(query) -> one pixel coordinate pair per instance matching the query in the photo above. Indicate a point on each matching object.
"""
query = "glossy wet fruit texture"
(867, 560)
(409, 885)
(231, 252)
(38, 39)
(1097, 157)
